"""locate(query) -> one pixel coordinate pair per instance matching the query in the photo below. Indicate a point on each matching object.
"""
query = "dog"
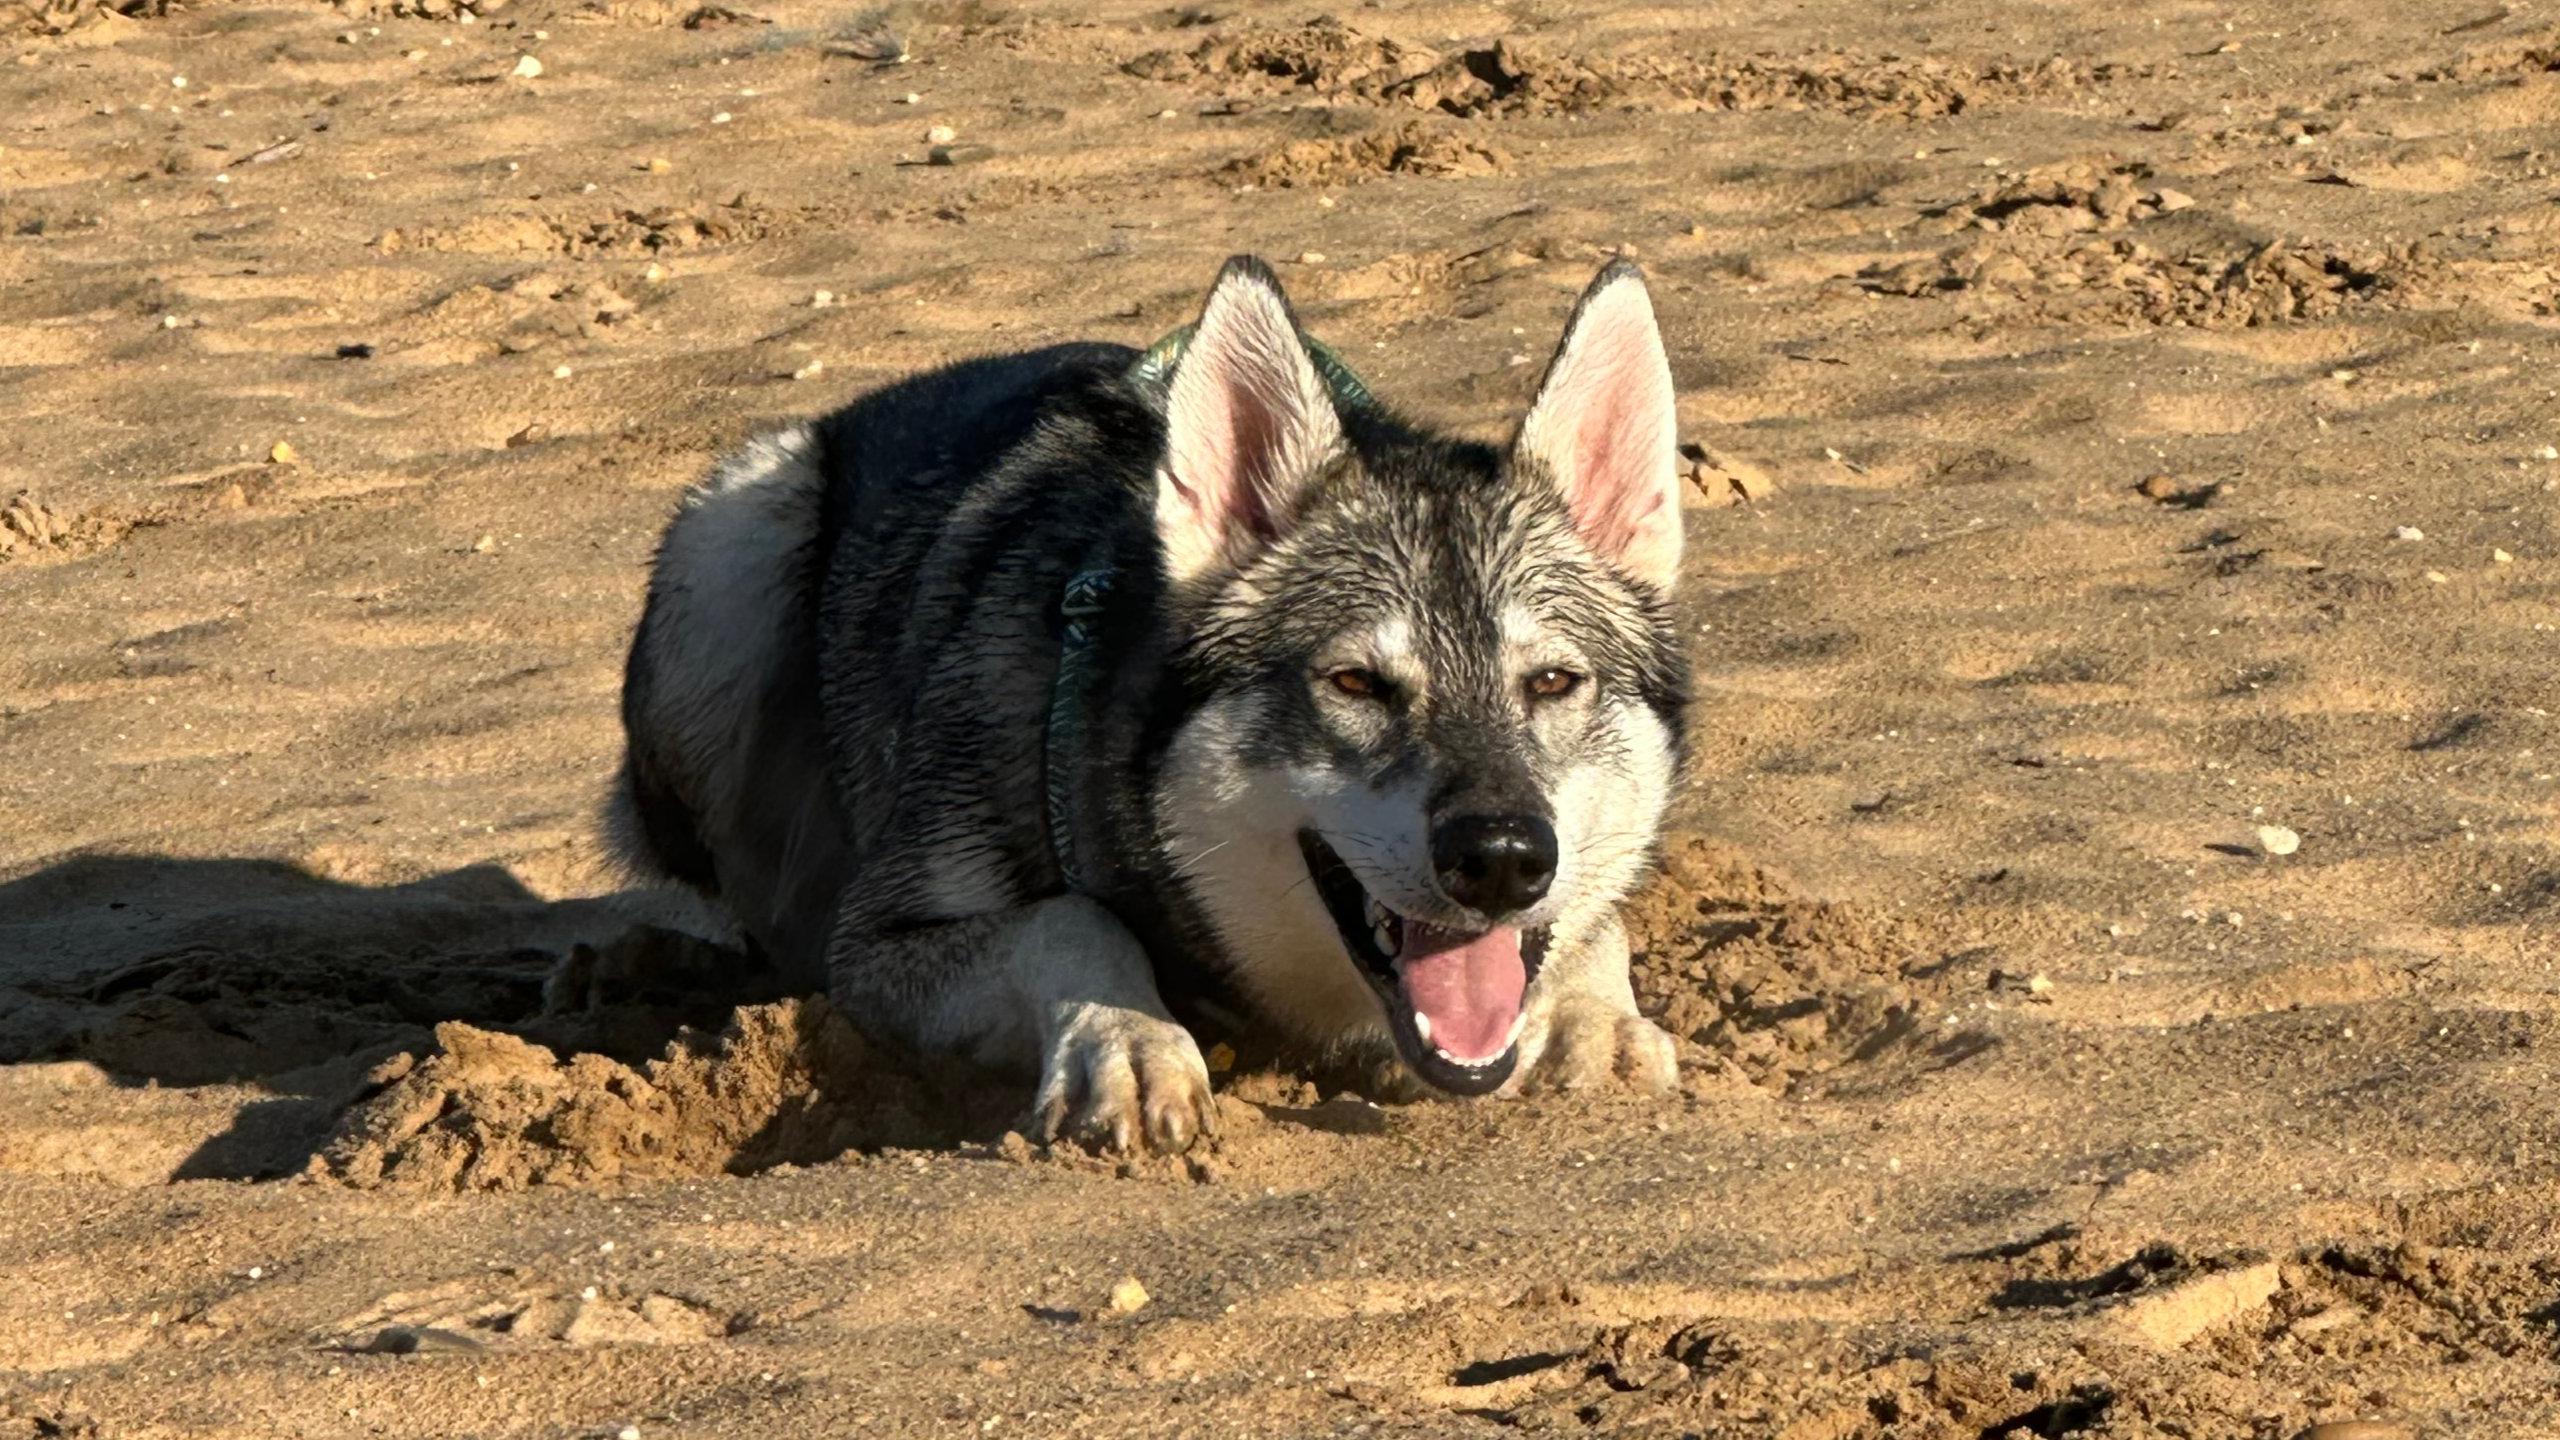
(1026, 704)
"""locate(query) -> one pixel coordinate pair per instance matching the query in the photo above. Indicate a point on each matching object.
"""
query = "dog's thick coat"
(1363, 733)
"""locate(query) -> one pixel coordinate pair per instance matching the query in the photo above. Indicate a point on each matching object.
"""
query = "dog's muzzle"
(1456, 999)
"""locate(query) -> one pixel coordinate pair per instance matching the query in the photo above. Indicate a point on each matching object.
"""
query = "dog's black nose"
(1495, 864)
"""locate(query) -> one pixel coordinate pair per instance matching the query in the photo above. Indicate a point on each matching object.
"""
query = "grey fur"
(839, 704)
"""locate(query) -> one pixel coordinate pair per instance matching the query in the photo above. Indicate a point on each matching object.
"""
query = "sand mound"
(2115, 280)
(2097, 1336)
(784, 1083)
(1769, 986)
(1324, 56)
(471, 1317)
(1411, 149)
(29, 528)
(1776, 986)
(1507, 78)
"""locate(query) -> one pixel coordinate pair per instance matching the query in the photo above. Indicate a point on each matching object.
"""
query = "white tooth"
(1519, 1023)
(1422, 1026)
(1377, 914)
(1385, 939)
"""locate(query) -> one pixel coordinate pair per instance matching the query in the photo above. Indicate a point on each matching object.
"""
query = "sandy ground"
(2142, 419)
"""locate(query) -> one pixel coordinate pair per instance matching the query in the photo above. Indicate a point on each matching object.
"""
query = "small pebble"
(911, 98)
(941, 135)
(2277, 840)
(655, 273)
(2547, 452)
(2408, 532)
(822, 299)
(2358, 1430)
(485, 545)
(723, 118)
(283, 453)
(1311, 257)
(1128, 1297)
(178, 82)
(561, 372)
(2501, 557)
(1167, 114)
(627, 1432)
(658, 165)
(809, 371)
(527, 67)
(2438, 577)
(957, 154)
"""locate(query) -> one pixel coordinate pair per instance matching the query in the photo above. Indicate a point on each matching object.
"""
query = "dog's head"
(1441, 710)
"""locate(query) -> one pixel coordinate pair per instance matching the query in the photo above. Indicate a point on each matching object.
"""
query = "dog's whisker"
(1186, 869)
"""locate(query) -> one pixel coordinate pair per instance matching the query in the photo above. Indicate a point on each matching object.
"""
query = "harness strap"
(1080, 609)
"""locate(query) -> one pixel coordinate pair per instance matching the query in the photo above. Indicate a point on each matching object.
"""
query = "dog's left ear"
(1248, 422)
(1605, 429)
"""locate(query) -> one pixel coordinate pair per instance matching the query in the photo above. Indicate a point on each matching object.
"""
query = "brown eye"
(1552, 684)
(1352, 680)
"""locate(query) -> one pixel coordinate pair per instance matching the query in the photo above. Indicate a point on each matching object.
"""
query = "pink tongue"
(1467, 986)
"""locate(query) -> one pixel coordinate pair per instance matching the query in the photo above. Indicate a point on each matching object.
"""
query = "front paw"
(1113, 1075)
(1590, 1045)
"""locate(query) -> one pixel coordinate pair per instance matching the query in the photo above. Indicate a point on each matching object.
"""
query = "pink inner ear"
(1605, 428)
(1218, 471)
(1607, 504)
(1253, 439)
(1247, 425)
(1606, 403)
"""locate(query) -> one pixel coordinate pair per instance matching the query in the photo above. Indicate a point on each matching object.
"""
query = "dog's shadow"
(170, 972)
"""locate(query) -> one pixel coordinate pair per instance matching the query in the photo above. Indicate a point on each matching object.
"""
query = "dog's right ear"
(1248, 422)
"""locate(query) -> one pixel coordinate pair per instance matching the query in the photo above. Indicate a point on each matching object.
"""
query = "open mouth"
(1455, 998)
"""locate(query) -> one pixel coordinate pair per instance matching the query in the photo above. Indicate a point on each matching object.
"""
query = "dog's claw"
(1115, 1078)
(1591, 1046)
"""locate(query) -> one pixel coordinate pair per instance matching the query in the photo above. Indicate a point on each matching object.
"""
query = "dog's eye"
(1352, 680)
(1551, 684)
